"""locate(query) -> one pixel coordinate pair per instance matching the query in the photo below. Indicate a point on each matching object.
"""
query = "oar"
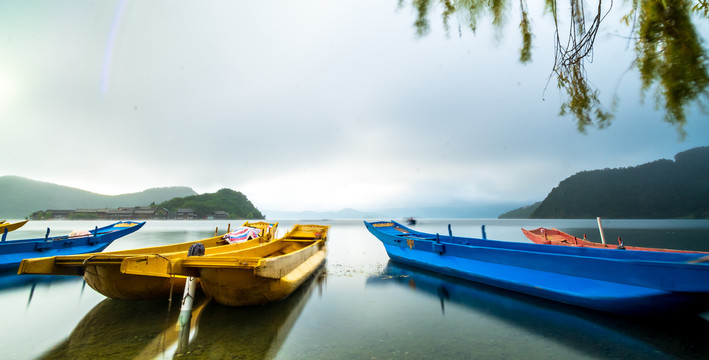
(600, 228)
(700, 260)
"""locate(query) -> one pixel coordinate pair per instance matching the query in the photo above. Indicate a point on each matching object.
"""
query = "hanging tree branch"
(569, 65)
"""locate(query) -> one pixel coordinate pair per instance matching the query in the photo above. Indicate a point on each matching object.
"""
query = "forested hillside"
(233, 202)
(662, 189)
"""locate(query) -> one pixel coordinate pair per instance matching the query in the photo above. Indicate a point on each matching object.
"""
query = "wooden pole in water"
(183, 321)
(190, 287)
(600, 228)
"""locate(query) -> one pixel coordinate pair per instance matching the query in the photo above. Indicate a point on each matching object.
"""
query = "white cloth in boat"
(241, 234)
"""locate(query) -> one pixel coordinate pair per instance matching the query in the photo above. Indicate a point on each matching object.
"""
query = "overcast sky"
(307, 105)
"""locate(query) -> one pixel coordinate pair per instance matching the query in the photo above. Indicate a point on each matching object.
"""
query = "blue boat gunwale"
(97, 231)
(610, 254)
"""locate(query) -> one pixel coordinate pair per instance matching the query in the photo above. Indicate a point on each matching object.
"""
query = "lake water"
(360, 306)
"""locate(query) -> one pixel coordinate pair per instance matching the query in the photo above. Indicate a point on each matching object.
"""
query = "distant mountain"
(468, 211)
(19, 197)
(476, 210)
(521, 213)
(662, 189)
(319, 215)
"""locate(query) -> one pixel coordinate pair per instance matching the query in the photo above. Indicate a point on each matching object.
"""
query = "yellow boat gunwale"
(256, 258)
(236, 260)
(57, 265)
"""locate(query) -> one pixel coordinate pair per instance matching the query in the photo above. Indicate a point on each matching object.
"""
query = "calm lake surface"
(359, 306)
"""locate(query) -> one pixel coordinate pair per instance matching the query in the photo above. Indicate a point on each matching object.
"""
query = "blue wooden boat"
(13, 251)
(625, 282)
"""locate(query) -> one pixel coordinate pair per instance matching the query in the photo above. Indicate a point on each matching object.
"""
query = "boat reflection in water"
(248, 332)
(125, 329)
(590, 332)
(145, 329)
(10, 280)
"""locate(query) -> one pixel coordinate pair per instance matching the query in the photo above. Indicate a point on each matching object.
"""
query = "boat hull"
(633, 287)
(240, 287)
(108, 279)
(111, 282)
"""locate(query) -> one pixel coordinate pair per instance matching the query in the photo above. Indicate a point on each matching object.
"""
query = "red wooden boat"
(557, 237)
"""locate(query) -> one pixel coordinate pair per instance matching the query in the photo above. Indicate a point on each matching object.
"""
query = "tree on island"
(233, 202)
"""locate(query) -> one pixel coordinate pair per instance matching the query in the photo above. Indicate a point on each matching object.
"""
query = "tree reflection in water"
(670, 55)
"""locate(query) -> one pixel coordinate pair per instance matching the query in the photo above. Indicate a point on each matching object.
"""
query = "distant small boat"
(6, 226)
(12, 252)
(557, 237)
(102, 272)
(253, 276)
(623, 282)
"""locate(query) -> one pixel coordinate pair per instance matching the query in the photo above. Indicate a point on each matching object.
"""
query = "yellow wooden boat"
(252, 276)
(102, 270)
(6, 226)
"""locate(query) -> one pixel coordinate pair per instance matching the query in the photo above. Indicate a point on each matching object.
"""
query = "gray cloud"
(317, 105)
